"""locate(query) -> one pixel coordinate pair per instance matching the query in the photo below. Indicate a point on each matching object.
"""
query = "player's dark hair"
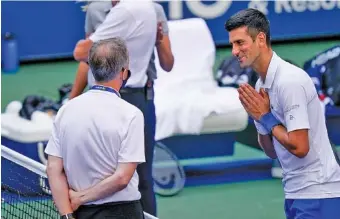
(253, 19)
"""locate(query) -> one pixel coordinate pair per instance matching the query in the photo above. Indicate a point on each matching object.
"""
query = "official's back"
(95, 135)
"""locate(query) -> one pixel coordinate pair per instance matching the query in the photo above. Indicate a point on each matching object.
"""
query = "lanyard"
(103, 88)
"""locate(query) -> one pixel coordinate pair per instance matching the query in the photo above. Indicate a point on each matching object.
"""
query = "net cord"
(23, 161)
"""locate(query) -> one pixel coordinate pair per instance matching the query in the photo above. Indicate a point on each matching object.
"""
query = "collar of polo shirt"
(271, 71)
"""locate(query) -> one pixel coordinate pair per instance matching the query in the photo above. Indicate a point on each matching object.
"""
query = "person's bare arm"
(55, 168)
(163, 45)
(166, 58)
(82, 49)
(80, 81)
(296, 142)
(58, 184)
(265, 140)
(112, 184)
(267, 145)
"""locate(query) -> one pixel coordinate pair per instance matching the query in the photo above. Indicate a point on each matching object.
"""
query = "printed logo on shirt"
(296, 106)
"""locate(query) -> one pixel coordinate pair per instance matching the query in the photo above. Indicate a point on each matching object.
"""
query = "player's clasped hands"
(256, 104)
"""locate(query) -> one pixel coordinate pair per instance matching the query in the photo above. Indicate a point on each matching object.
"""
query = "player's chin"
(244, 64)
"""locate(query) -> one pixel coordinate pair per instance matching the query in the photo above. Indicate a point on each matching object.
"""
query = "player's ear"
(262, 39)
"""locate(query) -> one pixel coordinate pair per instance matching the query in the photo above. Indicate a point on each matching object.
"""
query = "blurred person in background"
(139, 88)
(289, 119)
(96, 12)
(94, 151)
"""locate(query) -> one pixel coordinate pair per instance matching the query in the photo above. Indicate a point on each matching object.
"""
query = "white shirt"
(136, 23)
(295, 103)
(94, 132)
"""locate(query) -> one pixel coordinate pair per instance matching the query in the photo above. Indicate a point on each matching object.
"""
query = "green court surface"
(255, 200)
(249, 200)
(241, 152)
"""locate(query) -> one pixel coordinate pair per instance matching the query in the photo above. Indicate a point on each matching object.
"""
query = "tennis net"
(25, 192)
(24, 188)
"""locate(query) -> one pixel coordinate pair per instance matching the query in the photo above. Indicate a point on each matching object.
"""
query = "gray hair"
(107, 58)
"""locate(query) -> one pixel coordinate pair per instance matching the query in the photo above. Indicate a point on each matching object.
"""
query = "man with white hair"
(96, 144)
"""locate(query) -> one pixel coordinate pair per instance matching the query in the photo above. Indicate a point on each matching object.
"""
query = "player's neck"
(262, 63)
(114, 3)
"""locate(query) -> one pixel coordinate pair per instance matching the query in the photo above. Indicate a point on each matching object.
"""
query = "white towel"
(188, 94)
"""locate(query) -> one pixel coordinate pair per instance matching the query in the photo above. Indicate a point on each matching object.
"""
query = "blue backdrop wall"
(43, 29)
(51, 29)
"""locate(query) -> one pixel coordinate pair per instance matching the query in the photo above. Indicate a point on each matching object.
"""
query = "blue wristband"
(268, 120)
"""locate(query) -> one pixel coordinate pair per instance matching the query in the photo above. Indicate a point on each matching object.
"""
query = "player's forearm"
(82, 49)
(267, 145)
(80, 80)
(166, 58)
(60, 191)
(291, 144)
(107, 187)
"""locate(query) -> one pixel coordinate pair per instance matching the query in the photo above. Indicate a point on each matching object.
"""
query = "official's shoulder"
(64, 108)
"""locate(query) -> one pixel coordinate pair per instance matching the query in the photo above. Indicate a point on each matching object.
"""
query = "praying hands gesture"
(256, 104)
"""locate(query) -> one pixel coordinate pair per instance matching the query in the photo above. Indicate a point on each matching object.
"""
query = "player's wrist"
(263, 131)
(269, 121)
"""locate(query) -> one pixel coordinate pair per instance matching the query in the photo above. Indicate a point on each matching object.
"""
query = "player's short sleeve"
(294, 102)
(161, 17)
(88, 24)
(117, 23)
(132, 148)
(53, 146)
(95, 15)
